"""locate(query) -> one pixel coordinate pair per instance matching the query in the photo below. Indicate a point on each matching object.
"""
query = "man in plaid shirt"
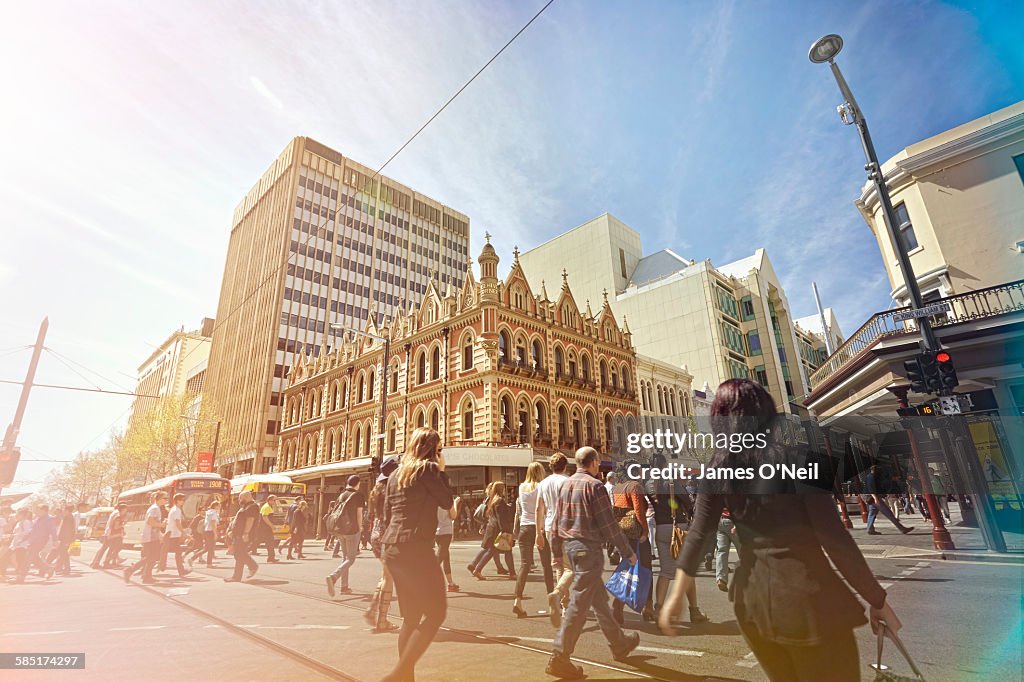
(583, 523)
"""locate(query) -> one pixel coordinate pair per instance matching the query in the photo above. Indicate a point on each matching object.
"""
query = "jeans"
(588, 592)
(149, 556)
(725, 538)
(836, 654)
(444, 555)
(242, 559)
(63, 559)
(527, 539)
(380, 603)
(174, 545)
(874, 508)
(421, 595)
(349, 551)
(110, 549)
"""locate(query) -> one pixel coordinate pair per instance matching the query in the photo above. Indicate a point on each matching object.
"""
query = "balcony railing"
(975, 305)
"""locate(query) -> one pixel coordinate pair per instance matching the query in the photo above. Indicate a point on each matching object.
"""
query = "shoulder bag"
(678, 534)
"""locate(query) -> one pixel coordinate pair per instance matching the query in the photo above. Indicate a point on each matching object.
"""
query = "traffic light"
(946, 371)
(8, 465)
(915, 375)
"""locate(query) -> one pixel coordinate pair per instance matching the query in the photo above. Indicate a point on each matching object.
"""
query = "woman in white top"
(443, 540)
(526, 529)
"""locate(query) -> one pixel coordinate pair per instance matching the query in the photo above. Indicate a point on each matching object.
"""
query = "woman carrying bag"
(499, 519)
(795, 613)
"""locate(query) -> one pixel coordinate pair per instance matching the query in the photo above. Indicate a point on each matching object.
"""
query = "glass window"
(905, 228)
(747, 308)
(754, 341)
(1019, 162)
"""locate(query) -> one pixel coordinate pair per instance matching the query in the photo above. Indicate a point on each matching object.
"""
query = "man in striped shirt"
(583, 523)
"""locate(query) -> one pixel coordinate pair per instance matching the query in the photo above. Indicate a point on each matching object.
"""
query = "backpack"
(341, 521)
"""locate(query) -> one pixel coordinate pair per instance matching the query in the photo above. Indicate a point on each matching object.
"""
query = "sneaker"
(632, 642)
(906, 529)
(330, 585)
(555, 610)
(723, 585)
(872, 531)
(252, 571)
(561, 667)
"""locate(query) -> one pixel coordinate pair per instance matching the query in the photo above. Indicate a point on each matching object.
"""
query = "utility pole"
(8, 449)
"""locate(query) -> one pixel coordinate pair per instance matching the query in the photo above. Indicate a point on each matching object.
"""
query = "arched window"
(521, 351)
(392, 433)
(643, 396)
(608, 430)
(393, 378)
(467, 353)
(371, 380)
(435, 363)
(615, 377)
(360, 389)
(366, 441)
(421, 367)
(559, 361)
(591, 434)
(540, 418)
(538, 355)
(421, 419)
(661, 400)
(603, 371)
(435, 419)
(585, 364)
(563, 423)
(572, 363)
(506, 414)
(504, 346)
(672, 401)
(627, 382)
(523, 417)
(467, 421)
(343, 397)
(577, 428)
(357, 441)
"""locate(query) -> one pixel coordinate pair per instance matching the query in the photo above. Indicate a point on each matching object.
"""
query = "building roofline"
(573, 229)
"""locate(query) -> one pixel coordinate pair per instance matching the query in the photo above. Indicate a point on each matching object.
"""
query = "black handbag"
(882, 672)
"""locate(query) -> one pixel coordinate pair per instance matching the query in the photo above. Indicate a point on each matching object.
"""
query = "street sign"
(204, 462)
(927, 311)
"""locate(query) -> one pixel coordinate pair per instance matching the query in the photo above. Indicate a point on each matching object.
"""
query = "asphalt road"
(962, 621)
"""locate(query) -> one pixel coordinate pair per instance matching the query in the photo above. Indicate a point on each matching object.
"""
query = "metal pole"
(11, 435)
(888, 215)
(824, 325)
(216, 440)
(375, 462)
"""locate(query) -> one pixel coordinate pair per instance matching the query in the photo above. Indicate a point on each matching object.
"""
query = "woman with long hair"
(416, 490)
(499, 519)
(526, 529)
(380, 604)
(795, 613)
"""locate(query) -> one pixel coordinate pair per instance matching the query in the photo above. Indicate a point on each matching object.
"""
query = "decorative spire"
(565, 279)
(543, 291)
(625, 326)
(487, 236)
(604, 294)
(515, 253)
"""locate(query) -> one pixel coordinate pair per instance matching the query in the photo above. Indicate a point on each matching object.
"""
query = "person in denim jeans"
(583, 523)
(353, 501)
(726, 536)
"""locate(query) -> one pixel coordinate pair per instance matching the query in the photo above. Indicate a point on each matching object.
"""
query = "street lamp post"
(375, 460)
(824, 50)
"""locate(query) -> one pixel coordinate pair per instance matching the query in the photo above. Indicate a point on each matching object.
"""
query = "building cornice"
(905, 169)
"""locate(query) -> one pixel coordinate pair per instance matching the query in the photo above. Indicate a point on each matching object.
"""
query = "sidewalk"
(969, 543)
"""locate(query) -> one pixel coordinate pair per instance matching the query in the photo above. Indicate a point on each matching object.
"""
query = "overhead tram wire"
(81, 388)
(323, 223)
(68, 365)
(87, 369)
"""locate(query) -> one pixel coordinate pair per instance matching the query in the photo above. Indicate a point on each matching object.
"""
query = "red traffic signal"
(8, 465)
(942, 356)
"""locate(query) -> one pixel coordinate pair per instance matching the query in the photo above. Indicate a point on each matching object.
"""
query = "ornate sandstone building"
(505, 376)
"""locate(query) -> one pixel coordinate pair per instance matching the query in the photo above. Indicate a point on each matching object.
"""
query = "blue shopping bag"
(630, 584)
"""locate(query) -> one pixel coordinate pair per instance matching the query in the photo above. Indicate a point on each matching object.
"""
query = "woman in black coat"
(416, 490)
(795, 613)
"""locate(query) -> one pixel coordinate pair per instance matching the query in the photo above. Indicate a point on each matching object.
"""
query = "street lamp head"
(825, 49)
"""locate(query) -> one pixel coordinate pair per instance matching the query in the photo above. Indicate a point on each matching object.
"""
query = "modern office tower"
(319, 245)
(719, 322)
(176, 369)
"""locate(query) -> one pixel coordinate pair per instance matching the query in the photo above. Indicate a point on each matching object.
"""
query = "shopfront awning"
(351, 466)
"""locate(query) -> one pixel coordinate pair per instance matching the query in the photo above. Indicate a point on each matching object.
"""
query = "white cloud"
(266, 93)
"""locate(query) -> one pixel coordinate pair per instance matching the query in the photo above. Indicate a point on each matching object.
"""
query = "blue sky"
(131, 131)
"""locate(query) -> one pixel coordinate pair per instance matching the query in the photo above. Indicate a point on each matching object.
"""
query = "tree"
(162, 440)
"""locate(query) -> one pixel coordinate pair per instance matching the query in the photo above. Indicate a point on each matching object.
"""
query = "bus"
(263, 485)
(94, 522)
(200, 489)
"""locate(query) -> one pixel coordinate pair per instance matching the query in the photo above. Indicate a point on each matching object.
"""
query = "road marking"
(303, 627)
(749, 661)
(651, 649)
(922, 564)
(30, 634)
(139, 627)
(906, 573)
(211, 625)
(885, 586)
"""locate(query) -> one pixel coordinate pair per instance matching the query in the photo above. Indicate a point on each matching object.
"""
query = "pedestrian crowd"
(794, 591)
